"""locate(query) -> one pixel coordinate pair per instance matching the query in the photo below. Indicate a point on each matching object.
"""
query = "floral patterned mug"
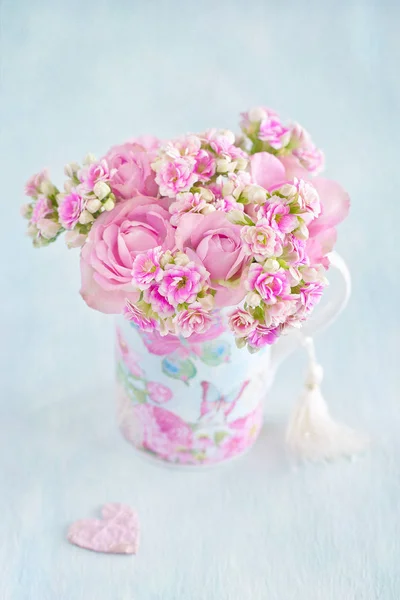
(199, 401)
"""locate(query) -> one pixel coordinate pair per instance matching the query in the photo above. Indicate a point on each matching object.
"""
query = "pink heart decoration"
(116, 533)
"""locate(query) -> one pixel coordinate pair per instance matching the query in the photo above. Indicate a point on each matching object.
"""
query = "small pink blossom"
(136, 315)
(261, 241)
(310, 295)
(93, 173)
(223, 144)
(277, 215)
(205, 165)
(186, 202)
(48, 228)
(70, 209)
(182, 283)
(309, 200)
(158, 392)
(174, 176)
(41, 209)
(262, 336)
(186, 146)
(32, 186)
(272, 131)
(270, 286)
(227, 204)
(294, 251)
(146, 268)
(308, 155)
(279, 312)
(158, 302)
(241, 322)
(195, 319)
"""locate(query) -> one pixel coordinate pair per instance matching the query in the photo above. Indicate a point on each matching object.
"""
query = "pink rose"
(131, 171)
(116, 238)
(217, 243)
(158, 392)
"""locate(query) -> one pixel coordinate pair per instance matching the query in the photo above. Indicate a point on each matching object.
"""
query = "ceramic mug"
(199, 401)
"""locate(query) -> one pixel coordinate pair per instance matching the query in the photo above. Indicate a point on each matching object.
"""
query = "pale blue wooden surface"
(81, 76)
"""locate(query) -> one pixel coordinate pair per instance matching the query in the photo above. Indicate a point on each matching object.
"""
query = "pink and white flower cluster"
(268, 133)
(172, 232)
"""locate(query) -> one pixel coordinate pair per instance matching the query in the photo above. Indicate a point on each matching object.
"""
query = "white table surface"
(80, 76)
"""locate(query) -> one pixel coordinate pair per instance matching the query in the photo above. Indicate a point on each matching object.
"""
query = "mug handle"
(322, 319)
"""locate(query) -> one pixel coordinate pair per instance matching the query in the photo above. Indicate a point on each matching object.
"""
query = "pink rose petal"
(267, 170)
(335, 203)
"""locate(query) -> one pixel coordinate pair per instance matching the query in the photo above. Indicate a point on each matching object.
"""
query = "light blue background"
(80, 76)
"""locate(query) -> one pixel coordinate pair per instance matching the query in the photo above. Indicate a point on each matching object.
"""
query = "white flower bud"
(181, 259)
(207, 302)
(288, 190)
(271, 265)
(89, 159)
(48, 228)
(166, 259)
(294, 276)
(101, 190)
(238, 217)
(255, 194)
(256, 114)
(68, 186)
(227, 187)
(26, 211)
(223, 165)
(74, 239)
(93, 205)
(209, 208)
(241, 163)
(85, 217)
(228, 135)
(32, 230)
(302, 231)
(167, 326)
(109, 204)
(253, 299)
(206, 194)
(71, 169)
(47, 188)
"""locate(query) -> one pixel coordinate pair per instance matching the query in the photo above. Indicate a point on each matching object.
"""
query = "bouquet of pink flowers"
(173, 231)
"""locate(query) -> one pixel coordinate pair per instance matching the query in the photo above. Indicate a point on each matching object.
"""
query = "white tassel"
(312, 433)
